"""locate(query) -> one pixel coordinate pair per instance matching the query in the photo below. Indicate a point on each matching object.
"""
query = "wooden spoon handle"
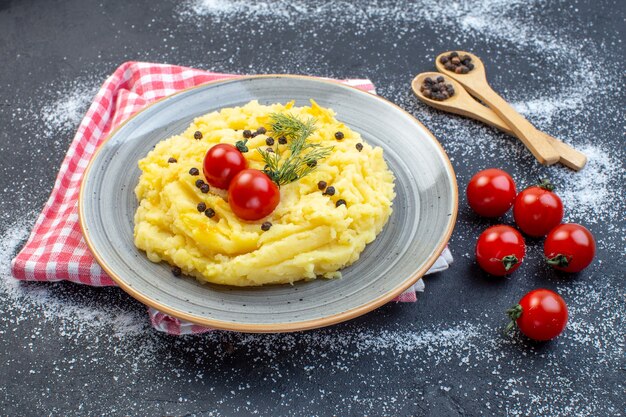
(534, 140)
(569, 156)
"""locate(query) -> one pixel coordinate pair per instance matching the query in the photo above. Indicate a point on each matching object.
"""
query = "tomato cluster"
(252, 195)
(538, 211)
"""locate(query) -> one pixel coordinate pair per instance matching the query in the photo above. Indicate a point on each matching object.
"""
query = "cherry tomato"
(252, 195)
(221, 163)
(500, 250)
(541, 314)
(538, 210)
(569, 247)
(491, 192)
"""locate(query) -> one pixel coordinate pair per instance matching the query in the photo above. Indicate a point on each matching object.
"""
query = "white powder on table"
(473, 344)
(68, 107)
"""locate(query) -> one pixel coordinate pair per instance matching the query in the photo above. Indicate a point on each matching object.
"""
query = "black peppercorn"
(428, 81)
(311, 164)
(266, 226)
(176, 271)
(204, 188)
(269, 141)
(197, 135)
(359, 147)
(270, 150)
(321, 185)
(201, 207)
(172, 161)
(339, 135)
(282, 140)
(247, 134)
(458, 64)
(438, 90)
(340, 202)
(444, 59)
(199, 183)
(261, 130)
(194, 171)
(209, 212)
(330, 191)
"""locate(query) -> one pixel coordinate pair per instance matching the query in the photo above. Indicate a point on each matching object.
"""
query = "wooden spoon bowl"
(461, 102)
(478, 73)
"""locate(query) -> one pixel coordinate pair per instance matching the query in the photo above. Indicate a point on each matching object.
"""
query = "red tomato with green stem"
(569, 247)
(252, 195)
(500, 250)
(221, 163)
(491, 192)
(541, 315)
(538, 209)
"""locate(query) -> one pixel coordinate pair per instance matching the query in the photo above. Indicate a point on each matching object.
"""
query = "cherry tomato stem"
(514, 313)
(509, 262)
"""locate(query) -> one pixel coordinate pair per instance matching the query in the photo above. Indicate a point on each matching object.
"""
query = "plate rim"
(273, 327)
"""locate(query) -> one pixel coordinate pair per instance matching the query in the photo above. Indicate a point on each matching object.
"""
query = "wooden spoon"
(465, 105)
(476, 83)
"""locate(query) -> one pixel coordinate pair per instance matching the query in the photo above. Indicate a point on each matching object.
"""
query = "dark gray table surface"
(72, 350)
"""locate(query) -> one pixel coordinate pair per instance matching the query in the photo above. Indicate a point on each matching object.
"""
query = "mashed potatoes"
(309, 237)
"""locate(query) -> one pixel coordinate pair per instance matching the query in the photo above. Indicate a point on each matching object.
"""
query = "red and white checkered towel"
(56, 250)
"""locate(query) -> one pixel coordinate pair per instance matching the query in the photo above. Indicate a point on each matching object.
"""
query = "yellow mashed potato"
(310, 237)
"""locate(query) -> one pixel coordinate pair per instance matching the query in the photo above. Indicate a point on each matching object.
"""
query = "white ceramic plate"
(424, 211)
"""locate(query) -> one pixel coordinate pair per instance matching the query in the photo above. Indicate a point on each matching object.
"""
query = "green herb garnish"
(241, 145)
(303, 155)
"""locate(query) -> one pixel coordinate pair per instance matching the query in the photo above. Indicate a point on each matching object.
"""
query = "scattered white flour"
(427, 351)
(24, 297)
(588, 195)
(544, 110)
(517, 378)
(500, 20)
(69, 105)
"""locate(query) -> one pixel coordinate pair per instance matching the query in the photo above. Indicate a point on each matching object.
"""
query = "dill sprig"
(303, 156)
(291, 127)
